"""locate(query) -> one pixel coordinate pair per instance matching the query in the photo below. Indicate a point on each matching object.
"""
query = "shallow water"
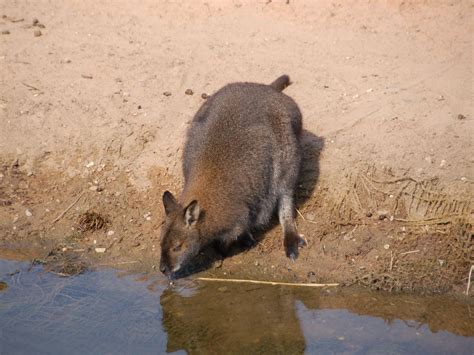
(102, 312)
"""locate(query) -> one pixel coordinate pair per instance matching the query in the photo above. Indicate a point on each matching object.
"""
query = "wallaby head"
(180, 238)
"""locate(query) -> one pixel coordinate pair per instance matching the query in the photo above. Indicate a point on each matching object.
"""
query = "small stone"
(93, 188)
(461, 117)
(189, 92)
(463, 179)
(139, 107)
(347, 237)
(100, 189)
(37, 33)
(256, 263)
(310, 216)
(369, 214)
(369, 90)
(5, 32)
(64, 249)
(441, 262)
(110, 233)
(100, 250)
(167, 93)
(148, 218)
(382, 215)
(35, 21)
(442, 164)
(136, 244)
(28, 213)
(204, 96)
(386, 246)
(90, 164)
(429, 159)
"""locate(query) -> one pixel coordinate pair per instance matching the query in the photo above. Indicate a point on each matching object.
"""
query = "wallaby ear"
(192, 213)
(169, 202)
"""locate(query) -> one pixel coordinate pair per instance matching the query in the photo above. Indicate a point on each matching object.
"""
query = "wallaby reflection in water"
(254, 319)
(217, 320)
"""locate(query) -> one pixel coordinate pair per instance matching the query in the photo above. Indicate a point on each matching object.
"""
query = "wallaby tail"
(281, 83)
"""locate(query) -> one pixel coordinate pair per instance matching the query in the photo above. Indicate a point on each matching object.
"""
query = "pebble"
(204, 96)
(382, 215)
(136, 244)
(310, 216)
(110, 233)
(442, 164)
(369, 214)
(93, 188)
(28, 213)
(100, 250)
(463, 179)
(35, 21)
(167, 93)
(386, 246)
(90, 164)
(189, 92)
(37, 33)
(429, 160)
(461, 117)
(5, 32)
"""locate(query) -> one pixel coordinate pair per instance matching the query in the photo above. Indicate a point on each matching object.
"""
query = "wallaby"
(241, 162)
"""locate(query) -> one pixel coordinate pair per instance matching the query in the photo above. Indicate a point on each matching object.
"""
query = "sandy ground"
(385, 89)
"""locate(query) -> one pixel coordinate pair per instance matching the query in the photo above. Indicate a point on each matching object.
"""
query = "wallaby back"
(241, 158)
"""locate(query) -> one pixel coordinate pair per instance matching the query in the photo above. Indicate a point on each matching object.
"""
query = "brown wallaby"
(241, 162)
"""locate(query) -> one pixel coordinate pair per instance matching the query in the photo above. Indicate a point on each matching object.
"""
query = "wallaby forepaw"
(292, 243)
(248, 240)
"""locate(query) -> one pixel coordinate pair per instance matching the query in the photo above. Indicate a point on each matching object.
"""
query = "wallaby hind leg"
(292, 240)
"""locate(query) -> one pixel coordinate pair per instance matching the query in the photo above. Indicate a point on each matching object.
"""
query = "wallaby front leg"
(292, 240)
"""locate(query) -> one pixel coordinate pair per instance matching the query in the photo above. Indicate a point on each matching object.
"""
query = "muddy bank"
(93, 114)
(377, 238)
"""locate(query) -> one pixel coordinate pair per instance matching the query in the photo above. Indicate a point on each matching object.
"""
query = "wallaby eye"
(177, 248)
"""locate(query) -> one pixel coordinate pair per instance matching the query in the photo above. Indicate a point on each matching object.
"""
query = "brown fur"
(240, 163)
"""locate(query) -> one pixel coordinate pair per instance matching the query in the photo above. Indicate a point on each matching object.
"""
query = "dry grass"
(92, 221)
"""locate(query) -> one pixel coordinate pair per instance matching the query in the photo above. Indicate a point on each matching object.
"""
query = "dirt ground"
(93, 113)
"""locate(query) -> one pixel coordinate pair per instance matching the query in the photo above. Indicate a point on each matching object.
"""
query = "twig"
(67, 209)
(469, 280)
(391, 260)
(120, 263)
(31, 86)
(433, 220)
(304, 219)
(410, 252)
(266, 282)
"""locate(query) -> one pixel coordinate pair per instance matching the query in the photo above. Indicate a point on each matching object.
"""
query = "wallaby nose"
(163, 268)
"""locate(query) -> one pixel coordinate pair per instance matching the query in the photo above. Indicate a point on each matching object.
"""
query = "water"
(102, 312)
